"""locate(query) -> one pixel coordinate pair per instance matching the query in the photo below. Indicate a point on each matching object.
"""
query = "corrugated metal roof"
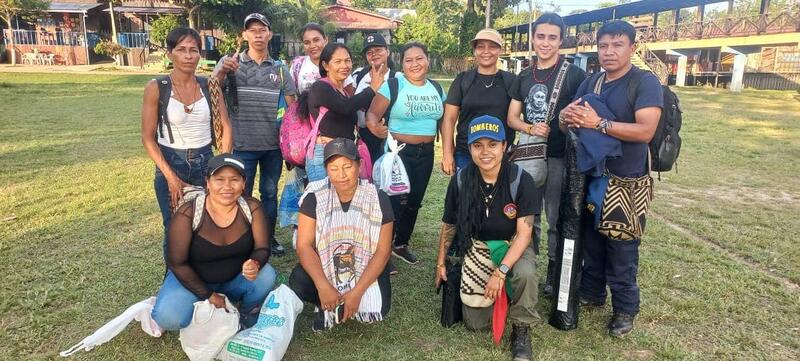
(146, 10)
(71, 8)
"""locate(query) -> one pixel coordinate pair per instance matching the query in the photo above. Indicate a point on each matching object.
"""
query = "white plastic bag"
(270, 337)
(211, 327)
(139, 312)
(389, 173)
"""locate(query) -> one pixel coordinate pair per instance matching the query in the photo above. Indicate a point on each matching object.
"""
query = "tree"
(25, 8)
(434, 26)
(160, 27)
(191, 7)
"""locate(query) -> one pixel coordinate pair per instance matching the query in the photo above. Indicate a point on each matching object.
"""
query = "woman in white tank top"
(180, 144)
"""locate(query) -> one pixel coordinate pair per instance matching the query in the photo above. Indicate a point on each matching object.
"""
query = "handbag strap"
(554, 95)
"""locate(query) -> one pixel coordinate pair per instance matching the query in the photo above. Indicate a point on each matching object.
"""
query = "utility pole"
(488, 13)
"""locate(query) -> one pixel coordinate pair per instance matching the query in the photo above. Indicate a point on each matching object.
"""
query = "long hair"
(470, 215)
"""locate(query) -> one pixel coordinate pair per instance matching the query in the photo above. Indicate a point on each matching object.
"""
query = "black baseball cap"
(374, 39)
(225, 160)
(258, 17)
(340, 146)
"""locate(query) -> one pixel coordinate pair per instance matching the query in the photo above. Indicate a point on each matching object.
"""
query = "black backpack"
(665, 147)
(394, 89)
(164, 93)
(361, 73)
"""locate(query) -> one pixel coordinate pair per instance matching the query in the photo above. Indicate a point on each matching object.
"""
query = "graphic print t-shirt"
(417, 109)
(535, 97)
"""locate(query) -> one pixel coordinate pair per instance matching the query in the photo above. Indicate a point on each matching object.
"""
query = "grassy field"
(80, 240)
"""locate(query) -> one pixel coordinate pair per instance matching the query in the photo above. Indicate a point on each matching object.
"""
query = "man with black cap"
(254, 83)
(376, 52)
(344, 239)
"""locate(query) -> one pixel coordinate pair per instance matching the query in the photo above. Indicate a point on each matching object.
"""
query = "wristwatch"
(503, 269)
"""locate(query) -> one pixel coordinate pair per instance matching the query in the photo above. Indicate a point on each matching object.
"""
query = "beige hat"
(488, 34)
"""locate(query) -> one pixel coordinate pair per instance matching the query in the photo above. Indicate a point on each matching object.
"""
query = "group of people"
(219, 240)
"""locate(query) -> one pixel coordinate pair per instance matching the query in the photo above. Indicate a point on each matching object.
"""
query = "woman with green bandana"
(488, 213)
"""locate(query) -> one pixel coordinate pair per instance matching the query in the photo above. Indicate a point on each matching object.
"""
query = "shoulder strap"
(466, 82)
(199, 209)
(508, 79)
(164, 93)
(593, 82)
(394, 89)
(361, 73)
(438, 88)
(633, 86)
(392, 74)
(556, 92)
(295, 70)
(248, 213)
(442, 97)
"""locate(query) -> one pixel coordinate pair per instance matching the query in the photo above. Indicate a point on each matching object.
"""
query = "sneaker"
(318, 323)
(392, 268)
(521, 343)
(621, 324)
(275, 248)
(405, 254)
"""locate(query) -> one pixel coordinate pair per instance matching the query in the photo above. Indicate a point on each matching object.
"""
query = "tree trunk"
(114, 37)
(192, 20)
(13, 44)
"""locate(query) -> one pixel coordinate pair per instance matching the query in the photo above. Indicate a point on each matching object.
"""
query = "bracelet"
(603, 125)
(530, 129)
(561, 119)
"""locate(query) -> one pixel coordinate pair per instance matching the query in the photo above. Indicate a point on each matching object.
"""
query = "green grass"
(80, 240)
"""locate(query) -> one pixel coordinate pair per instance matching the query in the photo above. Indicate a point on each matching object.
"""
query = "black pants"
(611, 263)
(302, 285)
(418, 161)
(374, 144)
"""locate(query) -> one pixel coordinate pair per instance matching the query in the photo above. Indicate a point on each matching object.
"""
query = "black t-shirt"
(535, 97)
(633, 162)
(498, 226)
(309, 206)
(341, 119)
(486, 95)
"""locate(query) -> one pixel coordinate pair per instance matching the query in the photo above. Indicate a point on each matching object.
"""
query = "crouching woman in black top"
(217, 245)
(489, 210)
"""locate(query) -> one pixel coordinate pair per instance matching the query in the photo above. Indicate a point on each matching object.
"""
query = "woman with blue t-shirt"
(415, 105)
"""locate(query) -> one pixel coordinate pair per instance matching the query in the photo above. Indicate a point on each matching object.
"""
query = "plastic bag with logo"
(211, 327)
(389, 173)
(270, 337)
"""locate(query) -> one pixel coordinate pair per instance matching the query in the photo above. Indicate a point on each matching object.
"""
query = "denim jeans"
(315, 166)
(190, 165)
(552, 201)
(271, 163)
(612, 263)
(175, 304)
(463, 159)
(418, 161)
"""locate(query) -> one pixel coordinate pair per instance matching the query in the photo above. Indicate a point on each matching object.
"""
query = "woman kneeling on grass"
(489, 210)
(218, 244)
(343, 243)
(176, 124)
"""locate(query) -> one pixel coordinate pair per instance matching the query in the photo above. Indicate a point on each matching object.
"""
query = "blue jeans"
(271, 163)
(463, 159)
(190, 165)
(315, 167)
(612, 263)
(175, 304)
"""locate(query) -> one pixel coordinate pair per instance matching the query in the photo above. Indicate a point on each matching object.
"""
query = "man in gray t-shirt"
(258, 82)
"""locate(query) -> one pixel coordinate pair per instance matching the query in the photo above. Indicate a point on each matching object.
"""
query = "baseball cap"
(486, 126)
(256, 16)
(488, 34)
(225, 160)
(340, 146)
(374, 39)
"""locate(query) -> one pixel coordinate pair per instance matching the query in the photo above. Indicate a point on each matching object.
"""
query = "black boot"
(621, 324)
(547, 290)
(274, 247)
(521, 343)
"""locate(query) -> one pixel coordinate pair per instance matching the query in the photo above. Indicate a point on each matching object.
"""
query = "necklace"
(549, 76)
(181, 99)
(490, 84)
(488, 199)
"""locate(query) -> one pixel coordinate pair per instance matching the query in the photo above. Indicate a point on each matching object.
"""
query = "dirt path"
(722, 250)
